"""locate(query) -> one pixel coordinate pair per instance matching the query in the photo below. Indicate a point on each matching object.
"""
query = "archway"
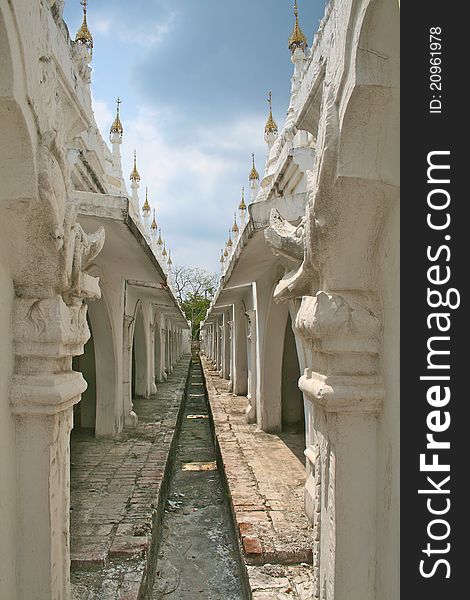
(269, 403)
(84, 413)
(239, 348)
(107, 396)
(98, 409)
(292, 399)
(293, 418)
(139, 357)
(157, 352)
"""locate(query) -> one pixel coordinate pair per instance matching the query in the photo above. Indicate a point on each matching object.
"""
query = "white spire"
(270, 129)
(115, 137)
(242, 209)
(135, 185)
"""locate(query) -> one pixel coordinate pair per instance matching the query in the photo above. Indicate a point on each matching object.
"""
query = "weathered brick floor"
(116, 487)
(266, 477)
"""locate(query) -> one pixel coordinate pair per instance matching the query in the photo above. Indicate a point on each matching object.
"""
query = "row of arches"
(153, 344)
(256, 349)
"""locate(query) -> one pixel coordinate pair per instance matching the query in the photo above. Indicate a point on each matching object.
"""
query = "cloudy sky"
(193, 76)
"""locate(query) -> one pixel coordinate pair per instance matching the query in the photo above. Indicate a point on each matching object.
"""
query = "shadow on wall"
(293, 417)
(84, 413)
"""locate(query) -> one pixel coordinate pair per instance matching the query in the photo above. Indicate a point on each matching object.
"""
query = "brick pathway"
(116, 497)
(266, 477)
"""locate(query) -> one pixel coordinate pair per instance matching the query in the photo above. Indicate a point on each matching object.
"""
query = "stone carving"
(52, 188)
(319, 216)
(285, 239)
(84, 248)
(316, 474)
(327, 314)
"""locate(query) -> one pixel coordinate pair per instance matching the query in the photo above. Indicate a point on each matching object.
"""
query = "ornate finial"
(254, 175)
(222, 257)
(229, 241)
(225, 253)
(297, 38)
(271, 126)
(169, 262)
(146, 207)
(242, 202)
(116, 127)
(153, 226)
(235, 228)
(160, 241)
(135, 173)
(83, 34)
(164, 253)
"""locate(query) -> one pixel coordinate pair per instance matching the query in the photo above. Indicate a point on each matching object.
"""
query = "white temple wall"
(388, 430)
(239, 350)
(159, 349)
(8, 504)
(271, 319)
(107, 339)
(186, 341)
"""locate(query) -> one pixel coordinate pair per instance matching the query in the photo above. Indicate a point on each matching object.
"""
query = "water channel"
(198, 555)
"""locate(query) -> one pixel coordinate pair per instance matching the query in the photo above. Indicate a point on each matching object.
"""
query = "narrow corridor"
(198, 555)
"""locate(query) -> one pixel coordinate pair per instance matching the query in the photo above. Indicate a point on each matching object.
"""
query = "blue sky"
(193, 76)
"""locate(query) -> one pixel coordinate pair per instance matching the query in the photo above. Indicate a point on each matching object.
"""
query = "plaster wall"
(105, 317)
(271, 324)
(87, 407)
(388, 430)
(292, 399)
(8, 504)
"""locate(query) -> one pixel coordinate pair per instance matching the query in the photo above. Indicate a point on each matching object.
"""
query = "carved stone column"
(214, 343)
(220, 346)
(251, 355)
(171, 348)
(166, 370)
(130, 417)
(239, 351)
(44, 389)
(342, 329)
(225, 332)
(153, 371)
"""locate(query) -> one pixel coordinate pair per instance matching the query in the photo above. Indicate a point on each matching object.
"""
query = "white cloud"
(101, 25)
(148, 34)
(189, 184)
(103, 115)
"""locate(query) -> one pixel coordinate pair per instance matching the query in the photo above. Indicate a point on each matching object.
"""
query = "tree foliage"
(195, 289)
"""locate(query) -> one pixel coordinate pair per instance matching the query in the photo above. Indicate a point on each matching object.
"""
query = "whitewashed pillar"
(343, 332)
(130, 417)
(251, 356)
(47, 333)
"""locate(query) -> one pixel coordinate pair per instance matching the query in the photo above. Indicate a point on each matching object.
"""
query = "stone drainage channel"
(198, 554)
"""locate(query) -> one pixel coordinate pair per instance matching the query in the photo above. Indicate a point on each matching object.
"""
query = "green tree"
(195, 289)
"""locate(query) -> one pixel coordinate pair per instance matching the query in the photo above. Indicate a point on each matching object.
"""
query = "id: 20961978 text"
(435, 70)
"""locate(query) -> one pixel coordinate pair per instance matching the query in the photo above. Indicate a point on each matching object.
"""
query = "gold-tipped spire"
(222, 257)
(235, 228)
(254, 175)
(117, 127)
(271, 125)
(146, 207)
(83, 35)
(153, 226)
(169, 262)
(229, 241)
(242, 202)
(135, 173)
(160, 241)
(297, 38)
(225, 252)
(164, 253)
